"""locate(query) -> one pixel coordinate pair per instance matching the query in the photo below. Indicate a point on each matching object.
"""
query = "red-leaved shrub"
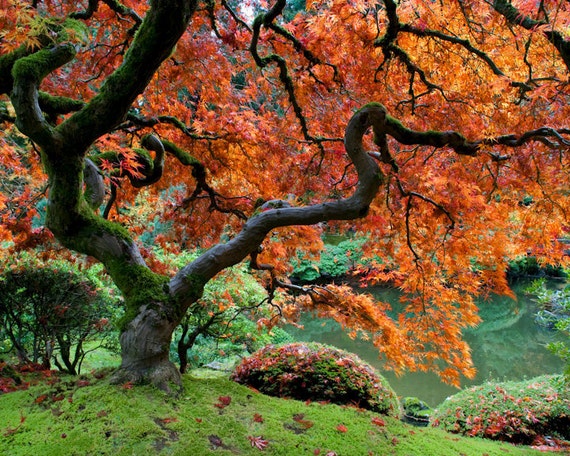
(318, 373)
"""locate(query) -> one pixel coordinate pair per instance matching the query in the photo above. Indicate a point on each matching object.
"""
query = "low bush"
(48, 310)
(518, 412)
(529, 266)
(335, 261)
(416, 411)
(318, 373)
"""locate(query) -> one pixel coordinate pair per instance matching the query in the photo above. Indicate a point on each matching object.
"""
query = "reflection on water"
(507, 345)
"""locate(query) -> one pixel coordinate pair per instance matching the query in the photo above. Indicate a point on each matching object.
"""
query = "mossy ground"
(88, 416)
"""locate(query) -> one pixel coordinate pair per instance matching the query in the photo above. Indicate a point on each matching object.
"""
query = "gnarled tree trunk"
(145, 350)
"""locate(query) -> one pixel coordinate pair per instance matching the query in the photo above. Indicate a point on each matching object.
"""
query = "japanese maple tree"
(242, 128)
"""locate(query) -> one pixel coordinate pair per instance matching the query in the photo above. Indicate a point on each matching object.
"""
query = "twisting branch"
(455, 40)
(64, 147)
(257, 227)
(136, 120)
(370, 179)
(115, 5)
(28, 72)
(149, 171)
(299, 47)
(92, 7)
(235, 16)
(390, 49)
(514, 16)
(540, 134)
(202, 185)
(266, 20)
(417, 257)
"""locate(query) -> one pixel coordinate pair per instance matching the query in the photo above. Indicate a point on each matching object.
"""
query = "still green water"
(507, 345)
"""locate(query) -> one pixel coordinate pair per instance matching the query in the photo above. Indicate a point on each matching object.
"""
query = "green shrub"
(336, 260)
(518, 412)
(529, 266)
(416, 411)
(49, 310)
(554, 314)
(318, 373)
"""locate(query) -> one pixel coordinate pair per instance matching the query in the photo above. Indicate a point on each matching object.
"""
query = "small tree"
(49, 311)
(226, 301)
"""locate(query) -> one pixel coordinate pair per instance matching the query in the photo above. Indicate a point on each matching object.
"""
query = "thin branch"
(514, 16)
(114, 5)
(284, 76)
(455, 40)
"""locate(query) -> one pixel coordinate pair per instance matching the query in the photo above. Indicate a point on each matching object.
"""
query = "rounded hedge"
(50, 309)
(316, 372)
(528, 412)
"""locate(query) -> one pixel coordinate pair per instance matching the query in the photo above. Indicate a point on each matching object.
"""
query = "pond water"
(507, 345)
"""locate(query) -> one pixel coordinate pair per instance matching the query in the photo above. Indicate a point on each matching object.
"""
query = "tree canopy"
(240, 128)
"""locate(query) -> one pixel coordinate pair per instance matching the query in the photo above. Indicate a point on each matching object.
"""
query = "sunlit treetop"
(247, 114)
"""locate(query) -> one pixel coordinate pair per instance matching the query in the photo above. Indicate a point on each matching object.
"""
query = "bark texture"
(145, 349)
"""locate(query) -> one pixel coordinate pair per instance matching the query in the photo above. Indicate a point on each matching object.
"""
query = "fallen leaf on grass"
(300, 418)
(215, 441)
(258, 442)
(378, 421)
(341, 428)
(40, 399)
(257, 418)
(224, 401)
(10, 431)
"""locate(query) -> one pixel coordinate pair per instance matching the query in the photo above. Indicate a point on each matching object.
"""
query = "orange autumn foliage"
(257, 110)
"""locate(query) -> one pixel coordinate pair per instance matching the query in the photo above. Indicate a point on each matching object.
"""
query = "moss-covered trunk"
(145, 349)
(72, 215)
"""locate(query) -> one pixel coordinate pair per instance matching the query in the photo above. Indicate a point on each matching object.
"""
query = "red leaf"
(378, 421)
(341, 428)
(299, 418)
(258, 418)
(258, 442)
(224, 401)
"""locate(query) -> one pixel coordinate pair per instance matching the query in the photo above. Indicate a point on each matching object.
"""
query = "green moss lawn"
(64, 416)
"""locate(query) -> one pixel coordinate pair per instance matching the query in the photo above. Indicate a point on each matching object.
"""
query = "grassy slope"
(68, 418)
